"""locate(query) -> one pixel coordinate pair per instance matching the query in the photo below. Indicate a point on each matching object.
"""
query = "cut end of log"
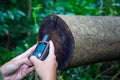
(62, 38)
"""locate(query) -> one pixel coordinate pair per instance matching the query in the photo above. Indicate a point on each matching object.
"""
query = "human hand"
(46, 69)
(18, 67)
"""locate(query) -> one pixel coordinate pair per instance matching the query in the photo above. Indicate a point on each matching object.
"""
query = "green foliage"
(18, 33)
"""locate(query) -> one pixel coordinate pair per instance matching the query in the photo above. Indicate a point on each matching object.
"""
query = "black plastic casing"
(42, 48)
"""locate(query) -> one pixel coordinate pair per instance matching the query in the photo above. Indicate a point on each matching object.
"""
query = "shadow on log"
(81, 40)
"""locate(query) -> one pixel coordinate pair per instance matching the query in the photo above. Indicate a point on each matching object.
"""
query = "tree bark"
(96, 38)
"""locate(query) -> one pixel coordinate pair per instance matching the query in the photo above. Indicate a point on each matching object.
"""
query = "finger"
(29, 63)
(51, 50)
(28, 52)
(34, 60)
(31, 69)
(26, 70)
(22, 61)
(23, 70)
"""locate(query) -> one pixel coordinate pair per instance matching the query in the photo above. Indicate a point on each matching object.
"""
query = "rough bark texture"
(97, 38)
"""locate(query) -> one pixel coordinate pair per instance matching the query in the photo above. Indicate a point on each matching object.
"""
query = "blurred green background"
(19, 24)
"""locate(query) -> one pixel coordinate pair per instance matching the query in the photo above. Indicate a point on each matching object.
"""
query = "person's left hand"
(18, 67)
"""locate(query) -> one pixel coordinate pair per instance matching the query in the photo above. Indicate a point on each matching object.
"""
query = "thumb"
(51, 50)
(34, 60)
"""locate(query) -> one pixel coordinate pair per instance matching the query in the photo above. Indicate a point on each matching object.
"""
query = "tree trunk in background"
(29, 7)
(97, 38)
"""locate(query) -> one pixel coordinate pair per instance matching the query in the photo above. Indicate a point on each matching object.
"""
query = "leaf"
(38, 7)
(111, 11)
(10, 15)
(21, 13)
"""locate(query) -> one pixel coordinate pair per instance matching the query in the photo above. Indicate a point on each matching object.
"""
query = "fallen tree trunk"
(96, 38)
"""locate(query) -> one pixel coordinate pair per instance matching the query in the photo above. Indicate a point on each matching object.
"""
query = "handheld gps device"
(42, 48)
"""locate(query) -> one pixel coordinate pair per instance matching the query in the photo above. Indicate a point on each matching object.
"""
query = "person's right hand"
(46, 69)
